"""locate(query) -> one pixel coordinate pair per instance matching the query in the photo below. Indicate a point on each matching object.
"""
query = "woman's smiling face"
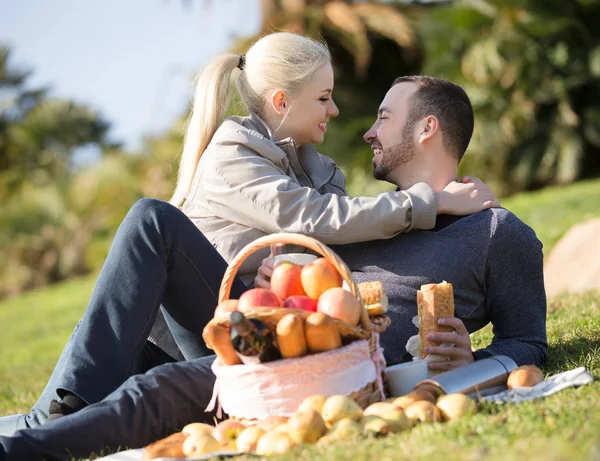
(309, 111)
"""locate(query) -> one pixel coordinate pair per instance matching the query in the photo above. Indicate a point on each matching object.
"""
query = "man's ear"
(279, 103)
(430, 126)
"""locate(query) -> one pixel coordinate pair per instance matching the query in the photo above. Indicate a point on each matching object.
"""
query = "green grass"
(552, 211)
(565, 426)
(35, 328)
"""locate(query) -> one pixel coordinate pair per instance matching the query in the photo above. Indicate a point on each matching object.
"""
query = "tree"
(371, 44)
(532, 69)
(39, 135)
(43, 232)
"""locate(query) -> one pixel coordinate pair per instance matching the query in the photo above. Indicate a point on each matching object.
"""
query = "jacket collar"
(305, 160)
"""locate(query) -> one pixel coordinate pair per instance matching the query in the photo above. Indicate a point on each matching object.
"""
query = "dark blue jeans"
(158, 260)
(145, 408)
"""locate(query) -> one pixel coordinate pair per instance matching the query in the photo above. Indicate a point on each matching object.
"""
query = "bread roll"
(434, 301)
(290, 336)
(169, 447)
(374, 298)
(525, 376)
(321, 333)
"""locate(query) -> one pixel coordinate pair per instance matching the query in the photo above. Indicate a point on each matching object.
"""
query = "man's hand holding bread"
(443, 339)
(455, 345)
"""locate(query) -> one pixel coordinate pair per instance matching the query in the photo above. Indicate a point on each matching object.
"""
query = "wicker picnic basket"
(367, 330)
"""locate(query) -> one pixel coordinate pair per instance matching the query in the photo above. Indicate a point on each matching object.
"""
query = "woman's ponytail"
(210, 103)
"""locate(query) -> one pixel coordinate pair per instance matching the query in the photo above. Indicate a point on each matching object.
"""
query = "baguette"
(434, 301)
(374, 298)
(217, 338)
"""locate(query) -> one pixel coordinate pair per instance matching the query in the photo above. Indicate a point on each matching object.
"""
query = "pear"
(344, 429)
(248, 438)
(415, 396)
(454, 406)
(379, 408)
(389, 412)
(424, 411)
(270, 423)
(227, 432)
(306, 426)
(314, 401)
(339, 407)
(274, 443)
(377, 426)
(200, 444)
(198, 428)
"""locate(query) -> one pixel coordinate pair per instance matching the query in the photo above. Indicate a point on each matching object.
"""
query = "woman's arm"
(244, 187)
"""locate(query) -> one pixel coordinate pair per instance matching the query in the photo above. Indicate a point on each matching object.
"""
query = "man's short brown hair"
(449, 103)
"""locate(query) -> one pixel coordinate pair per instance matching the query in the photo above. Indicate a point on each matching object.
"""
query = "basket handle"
(295, 239)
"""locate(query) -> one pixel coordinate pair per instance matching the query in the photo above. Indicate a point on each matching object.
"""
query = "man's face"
(391, 139)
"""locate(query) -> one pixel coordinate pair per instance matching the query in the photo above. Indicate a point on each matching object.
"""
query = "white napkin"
(576, 377)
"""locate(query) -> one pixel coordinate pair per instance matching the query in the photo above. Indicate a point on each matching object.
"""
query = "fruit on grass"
(319, 276)
(248, 438)
(340, 304)
(456, 405)
(423, 411)
(339, 407)
(306, 426)
(257, 297)
(274, 443)
(407, 400)
(390, 413)
(314, 402)
(301, 302)
(200, 444)
(321, 333)
(226, 307)
(286, 281)
(344, 429)
(290, 336)
(227, 433)
(379, 408)
(375, 425)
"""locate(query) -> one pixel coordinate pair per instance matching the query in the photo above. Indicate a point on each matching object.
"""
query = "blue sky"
(130, 59)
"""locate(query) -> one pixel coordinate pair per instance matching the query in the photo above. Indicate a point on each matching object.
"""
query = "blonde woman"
(239, 179)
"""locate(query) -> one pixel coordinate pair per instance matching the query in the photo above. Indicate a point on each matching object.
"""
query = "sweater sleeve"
(261, 196)
(514, 291)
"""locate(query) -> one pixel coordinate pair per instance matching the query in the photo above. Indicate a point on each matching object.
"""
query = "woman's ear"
(430, 126)
(279, 103)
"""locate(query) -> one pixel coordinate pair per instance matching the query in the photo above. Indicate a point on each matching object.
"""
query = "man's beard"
(394, 156)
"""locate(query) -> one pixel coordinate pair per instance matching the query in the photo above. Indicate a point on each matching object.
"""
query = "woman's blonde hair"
(281, 60)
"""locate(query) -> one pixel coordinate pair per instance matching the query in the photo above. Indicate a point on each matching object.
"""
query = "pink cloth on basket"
(277, 388)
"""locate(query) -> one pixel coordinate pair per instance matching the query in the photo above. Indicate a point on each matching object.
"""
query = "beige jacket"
(247, 186)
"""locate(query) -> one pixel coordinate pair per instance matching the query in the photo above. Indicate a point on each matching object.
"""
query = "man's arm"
(514, 292)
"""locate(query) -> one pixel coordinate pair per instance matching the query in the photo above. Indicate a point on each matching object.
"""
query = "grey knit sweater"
(494, 262)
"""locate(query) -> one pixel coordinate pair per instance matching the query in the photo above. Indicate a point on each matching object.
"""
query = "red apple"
(286, 281)
(319, 276)
(258, 297)
(340, 304)
(226, 307)
(301, 302)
